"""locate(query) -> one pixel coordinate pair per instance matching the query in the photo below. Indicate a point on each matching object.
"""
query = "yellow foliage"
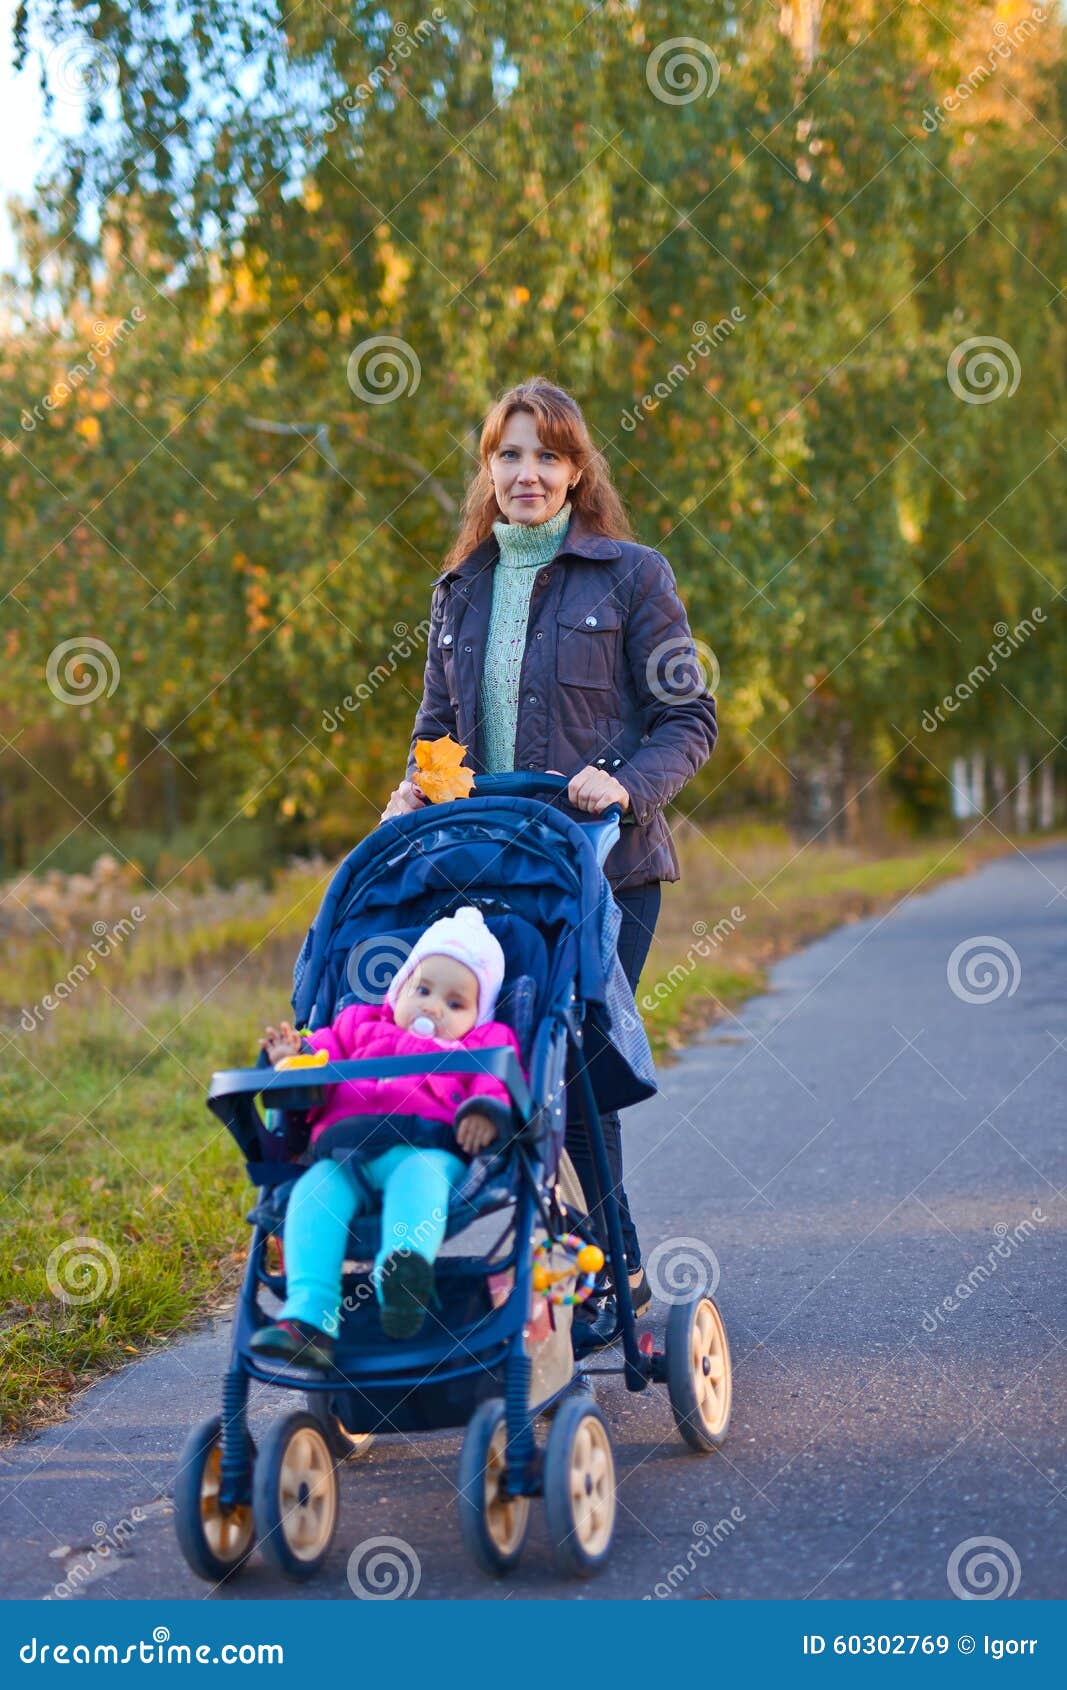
(396, 268)
(440, 774)
(256, 600)
(245, 290)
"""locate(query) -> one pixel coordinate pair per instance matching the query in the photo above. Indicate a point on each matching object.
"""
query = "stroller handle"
(540, 783)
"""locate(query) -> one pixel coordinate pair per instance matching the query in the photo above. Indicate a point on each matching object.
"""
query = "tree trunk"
(962, 788)
(849, 816)
(810, 796)
(1046, 797)
(170, 794)
(1022, 793)
(799, 19)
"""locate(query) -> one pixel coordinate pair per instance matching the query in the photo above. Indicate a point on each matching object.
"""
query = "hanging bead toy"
(586, 1262)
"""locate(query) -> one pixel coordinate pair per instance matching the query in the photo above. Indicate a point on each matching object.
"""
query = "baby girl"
(419, 1133)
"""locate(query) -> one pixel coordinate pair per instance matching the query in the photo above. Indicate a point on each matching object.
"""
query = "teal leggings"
(415, 1187)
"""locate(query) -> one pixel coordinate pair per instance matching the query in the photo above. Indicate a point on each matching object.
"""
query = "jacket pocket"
(587, 646)
(446, 648)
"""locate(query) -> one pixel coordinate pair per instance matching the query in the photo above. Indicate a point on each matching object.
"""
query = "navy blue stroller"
(536, 873)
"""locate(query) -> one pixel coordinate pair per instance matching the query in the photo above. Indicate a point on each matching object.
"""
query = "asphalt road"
(860, 1147)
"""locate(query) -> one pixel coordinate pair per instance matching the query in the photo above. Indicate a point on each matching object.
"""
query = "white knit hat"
(466, 937)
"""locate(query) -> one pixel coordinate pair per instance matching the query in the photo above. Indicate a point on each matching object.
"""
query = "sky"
(20, 120)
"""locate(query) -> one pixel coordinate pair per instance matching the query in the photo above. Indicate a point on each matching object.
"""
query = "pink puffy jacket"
(368, 1030)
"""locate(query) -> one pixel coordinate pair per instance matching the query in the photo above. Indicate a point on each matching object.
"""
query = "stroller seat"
(491, 1180)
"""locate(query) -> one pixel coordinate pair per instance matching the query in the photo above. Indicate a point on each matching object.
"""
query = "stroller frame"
(434, 1382)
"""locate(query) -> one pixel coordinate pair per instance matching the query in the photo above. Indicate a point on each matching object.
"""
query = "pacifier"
(423, 1026)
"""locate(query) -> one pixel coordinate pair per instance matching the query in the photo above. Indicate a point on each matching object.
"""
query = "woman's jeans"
(414, 1187)
(640, 911)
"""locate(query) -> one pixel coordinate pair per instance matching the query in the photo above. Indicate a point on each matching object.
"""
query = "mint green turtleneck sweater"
(524, 547)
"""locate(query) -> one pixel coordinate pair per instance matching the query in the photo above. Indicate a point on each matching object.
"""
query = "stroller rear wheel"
(294, 1494)
(214, 1540)
(699, 1378)
(493, 1525)
(579, 1487)
(344, 1445)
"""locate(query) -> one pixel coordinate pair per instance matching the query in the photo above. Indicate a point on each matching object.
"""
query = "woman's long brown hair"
(561, 426)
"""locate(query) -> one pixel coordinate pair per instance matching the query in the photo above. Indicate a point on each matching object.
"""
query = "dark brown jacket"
(610, 677)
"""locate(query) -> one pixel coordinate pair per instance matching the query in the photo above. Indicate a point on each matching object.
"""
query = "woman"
(556, 642)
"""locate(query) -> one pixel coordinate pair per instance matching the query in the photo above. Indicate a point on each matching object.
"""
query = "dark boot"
(407, 1290)
(295, 1340)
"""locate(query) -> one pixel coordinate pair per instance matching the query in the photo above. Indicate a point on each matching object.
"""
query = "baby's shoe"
(295, 1340)
(407, 1289)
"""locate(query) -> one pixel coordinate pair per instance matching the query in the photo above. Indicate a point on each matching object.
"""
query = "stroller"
(537, 875)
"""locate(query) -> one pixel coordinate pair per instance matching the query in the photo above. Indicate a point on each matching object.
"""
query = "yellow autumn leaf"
(440, 775)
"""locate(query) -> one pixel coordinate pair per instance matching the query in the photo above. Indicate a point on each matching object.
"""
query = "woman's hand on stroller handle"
(403, 799)
(594, 789)
(591, 789)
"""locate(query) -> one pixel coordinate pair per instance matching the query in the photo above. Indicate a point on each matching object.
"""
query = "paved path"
(854, 1148)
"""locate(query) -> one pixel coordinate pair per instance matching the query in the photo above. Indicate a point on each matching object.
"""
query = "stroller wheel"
(294, 1494)
(699, 1378)
(214, 1540)
(344, 1445)
(579, 1486)
(493, 1526)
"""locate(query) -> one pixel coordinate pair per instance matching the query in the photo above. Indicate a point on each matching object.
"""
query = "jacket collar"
(579, 541)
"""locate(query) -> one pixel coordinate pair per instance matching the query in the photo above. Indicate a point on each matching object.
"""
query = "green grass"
(694, 1002)
(104, 1135)
(104, 1132)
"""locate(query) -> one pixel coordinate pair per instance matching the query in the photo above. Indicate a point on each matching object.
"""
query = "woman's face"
(531, 481)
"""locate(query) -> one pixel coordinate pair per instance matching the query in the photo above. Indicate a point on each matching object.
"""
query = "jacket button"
(542, 578)
(590, 621)
(467, 648)
(531, 698)
(446, 639)
(541, 636)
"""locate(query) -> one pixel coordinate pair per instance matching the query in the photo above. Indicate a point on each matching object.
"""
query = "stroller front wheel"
(579, 1487)
(699, 1378)
(215, 1540)
(492, 1523)
(294, 1496)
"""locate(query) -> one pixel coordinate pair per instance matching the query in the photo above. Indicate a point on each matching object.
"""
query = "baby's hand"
(279, 1043)
(475, 1132)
